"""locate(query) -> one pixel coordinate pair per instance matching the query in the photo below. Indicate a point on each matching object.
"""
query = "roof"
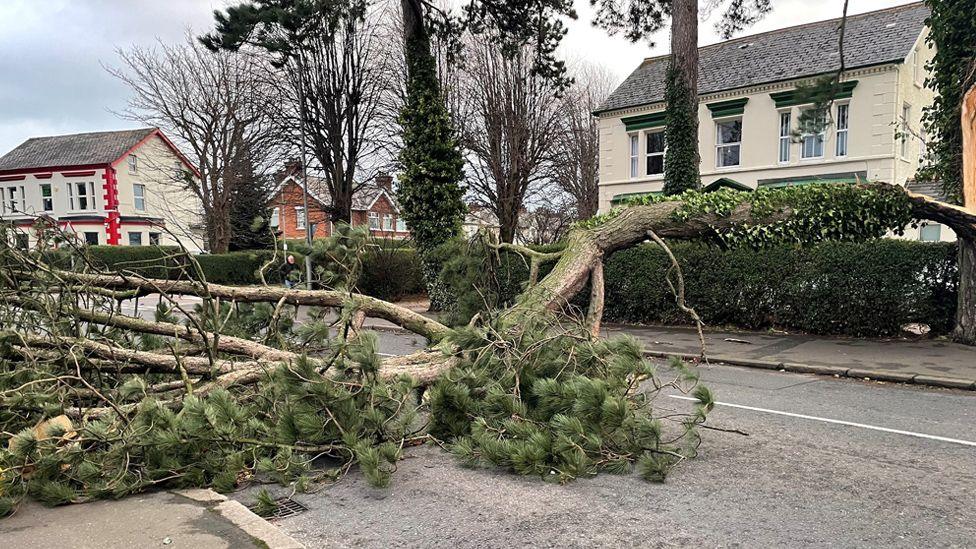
(362, 199)
(931, 189)
(79, 149)
(872, 38)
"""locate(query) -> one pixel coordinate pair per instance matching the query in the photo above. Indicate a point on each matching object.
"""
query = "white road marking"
(839, 422)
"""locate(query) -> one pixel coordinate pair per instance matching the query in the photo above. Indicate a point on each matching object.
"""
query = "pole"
(309, 227)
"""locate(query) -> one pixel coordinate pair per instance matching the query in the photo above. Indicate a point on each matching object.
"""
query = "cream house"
(115, 188)
(749, 107)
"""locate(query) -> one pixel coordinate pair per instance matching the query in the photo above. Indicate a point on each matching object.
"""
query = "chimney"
(293, 167)
(385, 182)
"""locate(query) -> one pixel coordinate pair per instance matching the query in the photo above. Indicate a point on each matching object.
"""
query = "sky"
(53, 53)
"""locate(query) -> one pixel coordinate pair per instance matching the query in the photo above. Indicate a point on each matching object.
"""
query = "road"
(794, 481)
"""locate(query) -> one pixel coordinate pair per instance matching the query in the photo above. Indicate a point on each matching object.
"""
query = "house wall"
(290, 197)
(871, 140)
(32, 182)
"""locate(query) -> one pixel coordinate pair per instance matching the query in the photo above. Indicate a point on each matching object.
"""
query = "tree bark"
(965, 331)
(682, 170)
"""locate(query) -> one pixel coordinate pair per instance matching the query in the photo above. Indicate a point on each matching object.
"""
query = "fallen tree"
(236, 387)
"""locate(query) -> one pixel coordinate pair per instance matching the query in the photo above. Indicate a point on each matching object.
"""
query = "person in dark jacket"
(286, 269)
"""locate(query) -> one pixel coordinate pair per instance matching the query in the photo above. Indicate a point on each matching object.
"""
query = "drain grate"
(284, 508)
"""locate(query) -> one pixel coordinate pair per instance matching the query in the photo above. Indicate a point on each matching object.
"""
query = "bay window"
(13, 199)
(728, 142)
(81, 195)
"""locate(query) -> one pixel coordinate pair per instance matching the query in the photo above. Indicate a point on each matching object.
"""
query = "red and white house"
(373, 204)
(117, 188)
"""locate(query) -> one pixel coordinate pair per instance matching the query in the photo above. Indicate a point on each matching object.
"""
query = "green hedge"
(859, 289)
(391, 274)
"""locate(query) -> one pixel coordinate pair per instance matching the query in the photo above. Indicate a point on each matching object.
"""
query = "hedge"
(871, 288)
(859, 289)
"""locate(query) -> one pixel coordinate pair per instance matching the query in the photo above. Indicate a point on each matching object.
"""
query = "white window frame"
(785, 141)
(301, 220)
(373, 216)
(139, 196)
(130, 234)
(633, 146)
(275, 220)
(719, 146)
(47, 202)
(74, 199)
(13, 199)
(842, 132)
(648, 155)
(133, 162)
(401, 225)
(823, 141)
(906, 115)
(387, 223)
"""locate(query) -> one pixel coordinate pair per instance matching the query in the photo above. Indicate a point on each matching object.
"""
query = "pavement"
(194, 519)
(921, 361)
(827, 463)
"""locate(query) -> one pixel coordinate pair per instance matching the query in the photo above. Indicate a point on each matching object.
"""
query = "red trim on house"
(157, 131)
(49, 169)
(13, 177)
(113, 234)
(78, 174)
(43, 175)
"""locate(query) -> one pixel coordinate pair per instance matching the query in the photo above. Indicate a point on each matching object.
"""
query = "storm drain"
(284, 508)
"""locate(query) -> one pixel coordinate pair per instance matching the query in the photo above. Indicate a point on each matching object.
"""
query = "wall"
(291, 196)
(871, 139)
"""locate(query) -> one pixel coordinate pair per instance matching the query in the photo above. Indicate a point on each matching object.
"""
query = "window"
(842, 124)
(22, 241)
(728, 142)
(401, 225)
(82, 195)
(275, 218)
(133, 163)
(784, 136)
(47, 199)
(178, 171)
(13, 199)
(374, 221)
(91, 238)
(135, 239)
(299, 218)
(918, 69)
(655, 152)
(154, 239)
(923, 147)
(906, 115)
(139, 194)
(633, 155)
(812, 144)
(931, 232)
(387, 222)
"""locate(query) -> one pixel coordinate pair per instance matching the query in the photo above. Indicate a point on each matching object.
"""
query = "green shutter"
(644, 121)
(790, 98)
(733, 107)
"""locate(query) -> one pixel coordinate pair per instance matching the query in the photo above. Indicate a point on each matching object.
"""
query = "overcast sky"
(52, 53)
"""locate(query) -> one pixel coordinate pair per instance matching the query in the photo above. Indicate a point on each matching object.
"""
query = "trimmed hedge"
(870, 288)
(859, 289)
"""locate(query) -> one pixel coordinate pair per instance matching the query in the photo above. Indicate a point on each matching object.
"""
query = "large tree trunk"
(682, 170)
(965, 331)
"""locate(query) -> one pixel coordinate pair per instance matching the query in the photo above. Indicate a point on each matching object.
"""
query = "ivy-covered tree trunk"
(681, 169)
(429, 191)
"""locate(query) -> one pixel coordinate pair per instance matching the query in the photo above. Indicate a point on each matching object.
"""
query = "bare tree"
(212, 104)
(509, 136)
(336, 90)
(576, 155)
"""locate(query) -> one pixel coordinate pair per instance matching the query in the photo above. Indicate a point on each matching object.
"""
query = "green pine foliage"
(558, 407)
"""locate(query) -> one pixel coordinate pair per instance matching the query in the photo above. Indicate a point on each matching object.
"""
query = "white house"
(116, 188)
(749, 107)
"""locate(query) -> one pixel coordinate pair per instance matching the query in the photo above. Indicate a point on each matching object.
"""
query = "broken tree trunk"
(965, 331)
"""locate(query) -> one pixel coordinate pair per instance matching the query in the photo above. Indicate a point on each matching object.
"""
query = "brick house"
(113, 188)
(373, 204)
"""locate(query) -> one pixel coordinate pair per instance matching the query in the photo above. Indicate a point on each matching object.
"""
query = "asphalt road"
(794, 481)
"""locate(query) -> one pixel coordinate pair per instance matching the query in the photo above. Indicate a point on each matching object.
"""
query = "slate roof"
(931, 189)
(80, 149)
(362, 199)
(872, 38)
